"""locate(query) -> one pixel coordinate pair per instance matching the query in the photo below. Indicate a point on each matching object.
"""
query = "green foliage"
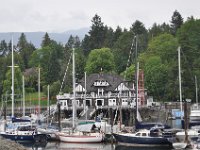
(165, 46)
(121, 51)
(80, 61)
(7, 83)
(176, 21)
(3, 48)
(96, 36)
(157, 29)
(26, 49)
(129, 73)
(160, 67)
(46, 40)
(53, 89)
(189, 37)
(100, 59)
(49, 58)
(155, 77)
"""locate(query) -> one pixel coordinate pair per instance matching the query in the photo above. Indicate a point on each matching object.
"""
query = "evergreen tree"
(157, 29)
(46, 40)
(176, 21)
(109, 37)
(117, 34)
(96, 36)
(3, 48)
(140, 31)
(138, 28)
(25, 49)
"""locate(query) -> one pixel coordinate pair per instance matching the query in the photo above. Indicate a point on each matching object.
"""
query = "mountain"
(36, 37)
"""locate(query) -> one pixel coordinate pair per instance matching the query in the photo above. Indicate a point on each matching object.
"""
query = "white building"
(102, 90)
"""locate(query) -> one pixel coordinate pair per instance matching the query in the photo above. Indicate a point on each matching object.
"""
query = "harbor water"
(95, 146)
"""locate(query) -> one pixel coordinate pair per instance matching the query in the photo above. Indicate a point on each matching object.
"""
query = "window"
(138, 134)
(144, 134)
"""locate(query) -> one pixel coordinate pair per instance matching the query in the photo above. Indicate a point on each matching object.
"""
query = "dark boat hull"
(26, 138)
(148, 141)
(18, 137)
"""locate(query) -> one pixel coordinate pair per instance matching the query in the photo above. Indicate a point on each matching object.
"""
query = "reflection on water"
(69, 146)
(121, 147)
(96, 146)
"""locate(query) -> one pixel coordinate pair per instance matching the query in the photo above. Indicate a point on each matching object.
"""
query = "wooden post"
(131, 117)
(111, 122)
(58, 105)
(186, 122)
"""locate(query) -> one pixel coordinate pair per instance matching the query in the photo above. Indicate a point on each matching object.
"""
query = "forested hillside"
(111, 51)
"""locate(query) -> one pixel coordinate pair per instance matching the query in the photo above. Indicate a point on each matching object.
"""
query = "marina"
(114, 89)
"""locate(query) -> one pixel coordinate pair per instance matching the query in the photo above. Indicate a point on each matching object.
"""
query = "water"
(96, 146)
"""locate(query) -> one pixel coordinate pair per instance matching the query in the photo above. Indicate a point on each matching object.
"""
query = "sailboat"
(84, 133)
(184, 137)
(20, 129)
(144, 137)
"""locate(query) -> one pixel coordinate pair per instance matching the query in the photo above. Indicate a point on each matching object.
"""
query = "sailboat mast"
(196, 92)
(39, 91)
(74, 94)
(23, 96)
(12, 79)
(48, 104)
(179, 73)
(137, 75)
(85, 97)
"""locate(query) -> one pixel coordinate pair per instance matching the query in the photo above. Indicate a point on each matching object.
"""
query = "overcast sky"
(64, 15)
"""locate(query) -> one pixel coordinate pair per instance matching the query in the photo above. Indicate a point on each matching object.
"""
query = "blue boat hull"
(133, 140)
(26, 138)
(18, 137)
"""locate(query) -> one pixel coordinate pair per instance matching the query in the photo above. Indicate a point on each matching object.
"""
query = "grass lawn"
(32, 99)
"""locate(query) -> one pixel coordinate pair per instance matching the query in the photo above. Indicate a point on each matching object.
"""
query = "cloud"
(62, 15)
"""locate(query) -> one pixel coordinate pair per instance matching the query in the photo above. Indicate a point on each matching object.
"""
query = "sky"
(65, 15)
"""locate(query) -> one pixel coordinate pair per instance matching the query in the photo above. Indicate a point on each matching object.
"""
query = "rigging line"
(130, 53)
(65, 73)
(187, 62)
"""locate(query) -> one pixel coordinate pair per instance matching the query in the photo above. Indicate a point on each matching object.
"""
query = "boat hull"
(143, 141)
(81, 138)
(39, 138)
(18, 137)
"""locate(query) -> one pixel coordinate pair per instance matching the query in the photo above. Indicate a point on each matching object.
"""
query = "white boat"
(84, 133)
(179, 145)
(195, 115)
(192, 135)
(80, 137)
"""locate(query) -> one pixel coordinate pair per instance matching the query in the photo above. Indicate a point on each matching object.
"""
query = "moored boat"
(84, 133)
(192, 135)
(143, 138)
(81, 137)
(24, 133)
(179, 145)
